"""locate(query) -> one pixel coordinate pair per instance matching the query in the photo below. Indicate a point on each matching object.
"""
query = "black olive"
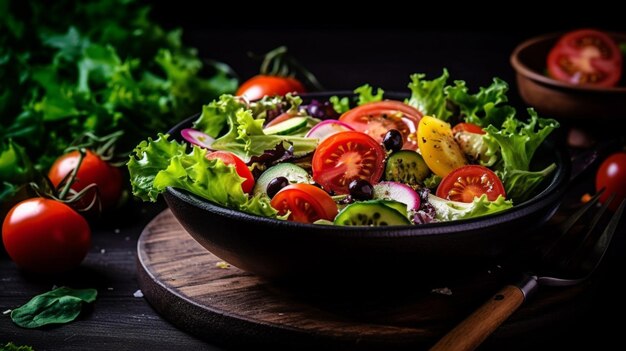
(393, 140)
(275, 185)
(361, 189)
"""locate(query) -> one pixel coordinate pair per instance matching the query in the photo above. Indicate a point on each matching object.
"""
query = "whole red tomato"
(262, 85)
(93, 170)
(612, 177)
(45, 236)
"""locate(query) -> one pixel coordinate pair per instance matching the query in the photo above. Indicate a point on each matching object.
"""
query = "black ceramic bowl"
(275, 248)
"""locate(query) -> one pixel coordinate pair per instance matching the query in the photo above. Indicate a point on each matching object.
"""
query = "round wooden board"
(185, 284)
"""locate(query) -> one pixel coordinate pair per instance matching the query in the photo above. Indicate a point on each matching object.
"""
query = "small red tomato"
(612, 177)
(262, 85)
(93, 170)
(45, 236)
(240, 167)
(465, 183)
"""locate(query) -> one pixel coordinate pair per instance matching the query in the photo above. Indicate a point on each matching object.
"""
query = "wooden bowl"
(558, 99)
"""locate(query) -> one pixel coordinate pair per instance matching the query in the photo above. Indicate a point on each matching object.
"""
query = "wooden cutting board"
(193, 289)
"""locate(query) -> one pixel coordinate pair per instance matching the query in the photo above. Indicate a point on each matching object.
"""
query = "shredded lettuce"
(516, 144)
(487, 107)
(429, 96)
(158, 164)
(447, 210)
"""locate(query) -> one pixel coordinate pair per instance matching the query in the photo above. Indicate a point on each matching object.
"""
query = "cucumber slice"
(371, 213)
(287, 127)
(293, 173)
(406, 167)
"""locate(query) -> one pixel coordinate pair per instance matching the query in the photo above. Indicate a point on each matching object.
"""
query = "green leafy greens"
(364, 94)
(447, 210)
(61, 305)
(68, 68)
(428, 96)
(158, 164)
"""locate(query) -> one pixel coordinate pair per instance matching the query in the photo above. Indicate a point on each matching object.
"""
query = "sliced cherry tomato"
(306, 203)
(467, 182)
(240, 167)
(262, 85)
(346, 156)
(93, 170)
(440, 151)
(467, 127)
(612, 177)
(586, 57)
(376, 118)
(45, 236)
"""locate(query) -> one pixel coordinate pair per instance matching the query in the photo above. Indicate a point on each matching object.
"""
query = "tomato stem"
(72, 178)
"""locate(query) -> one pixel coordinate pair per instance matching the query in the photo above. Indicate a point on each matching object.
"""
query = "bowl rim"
(552, 191)
(521, 68)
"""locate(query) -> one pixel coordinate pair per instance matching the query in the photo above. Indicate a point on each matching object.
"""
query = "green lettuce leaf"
(61, 305)
(158, 164)
(214, 115)
(516, 144)
(365, 94)
(429, 96)
(340, 106)
(487, 107)
(447, 210)
(246, 138)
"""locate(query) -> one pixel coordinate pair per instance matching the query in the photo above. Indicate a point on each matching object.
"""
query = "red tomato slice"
(376, 118)
(240, 167)
(586, 57)
(259, 86)
(467, 127)
(467, 182)
(346, 156)
(306, 203)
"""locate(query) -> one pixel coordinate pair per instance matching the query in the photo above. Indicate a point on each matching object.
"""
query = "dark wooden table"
(344, 59)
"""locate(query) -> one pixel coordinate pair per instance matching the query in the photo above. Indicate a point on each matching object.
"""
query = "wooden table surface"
(121, 321)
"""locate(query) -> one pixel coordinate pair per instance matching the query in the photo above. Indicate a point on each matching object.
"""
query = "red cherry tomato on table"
(586, 57)
(467, 182)
(259, 86)
(467, 127)
(45, 236)
(240, 167)
(93, 170)
(305, 202)
(377, 118)
(612, 177)
(344, 157)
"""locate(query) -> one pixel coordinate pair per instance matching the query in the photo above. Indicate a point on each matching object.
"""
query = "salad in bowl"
(441, 154)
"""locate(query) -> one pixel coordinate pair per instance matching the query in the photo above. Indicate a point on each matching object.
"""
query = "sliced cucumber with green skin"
(372, 213)
(408, 167)
(287, 127)
(293, 173)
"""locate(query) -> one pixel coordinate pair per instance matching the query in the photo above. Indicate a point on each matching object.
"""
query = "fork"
(585, 254)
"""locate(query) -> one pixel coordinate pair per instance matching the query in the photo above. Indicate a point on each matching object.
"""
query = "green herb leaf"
(340, 105)
(61, 305)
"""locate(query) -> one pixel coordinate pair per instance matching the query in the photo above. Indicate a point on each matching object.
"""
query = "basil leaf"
(61, 305)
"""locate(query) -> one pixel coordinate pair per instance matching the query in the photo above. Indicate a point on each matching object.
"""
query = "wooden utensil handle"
(479, 325)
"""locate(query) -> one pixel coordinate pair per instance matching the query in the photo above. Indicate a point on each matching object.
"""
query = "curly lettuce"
(447, 210)
(158, 164)
(487, 107)
(364, 94)
(429, 96)
(516, 144)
